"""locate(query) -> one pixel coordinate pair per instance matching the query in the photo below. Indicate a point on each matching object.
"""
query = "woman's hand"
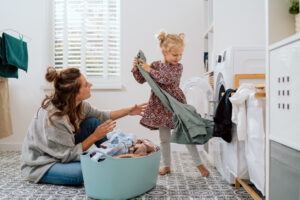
(145, 65)
(138, 109)
(135, 63)
(102, 130)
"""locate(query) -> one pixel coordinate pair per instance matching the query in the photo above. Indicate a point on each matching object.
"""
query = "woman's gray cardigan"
(46, 144)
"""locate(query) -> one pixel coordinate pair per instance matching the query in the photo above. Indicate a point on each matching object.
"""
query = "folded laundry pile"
(140, 148)
(121, 145)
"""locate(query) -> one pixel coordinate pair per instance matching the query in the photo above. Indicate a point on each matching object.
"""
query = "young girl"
(167, 74)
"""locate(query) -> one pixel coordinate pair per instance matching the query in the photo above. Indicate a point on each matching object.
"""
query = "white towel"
(255, 143)
(239, 112)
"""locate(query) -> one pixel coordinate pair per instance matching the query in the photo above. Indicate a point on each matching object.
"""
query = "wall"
(31, 19)
(281, 22)
(239, 23)
(140, 20)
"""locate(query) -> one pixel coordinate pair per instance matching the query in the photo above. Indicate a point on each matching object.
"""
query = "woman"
(64, 127)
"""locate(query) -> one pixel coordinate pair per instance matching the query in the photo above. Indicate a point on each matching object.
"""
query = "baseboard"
(10, 147)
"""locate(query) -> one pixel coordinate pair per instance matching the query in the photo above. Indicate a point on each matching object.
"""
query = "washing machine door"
(199, 94)
(220, 88)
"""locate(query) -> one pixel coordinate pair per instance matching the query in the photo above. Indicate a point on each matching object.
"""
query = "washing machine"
(199, 93)
(231, 160)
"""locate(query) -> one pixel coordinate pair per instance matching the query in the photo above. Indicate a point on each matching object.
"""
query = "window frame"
(97, 81)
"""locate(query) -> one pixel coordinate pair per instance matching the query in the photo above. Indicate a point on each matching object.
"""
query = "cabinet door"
(285, 95)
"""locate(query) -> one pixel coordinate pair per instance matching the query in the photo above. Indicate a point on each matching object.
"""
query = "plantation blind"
(87, 36)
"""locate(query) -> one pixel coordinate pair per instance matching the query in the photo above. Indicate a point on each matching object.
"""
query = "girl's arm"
(136, 73)
(134, 110)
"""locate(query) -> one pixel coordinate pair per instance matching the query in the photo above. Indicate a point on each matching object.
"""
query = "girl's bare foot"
(164, 171)
(204, 172)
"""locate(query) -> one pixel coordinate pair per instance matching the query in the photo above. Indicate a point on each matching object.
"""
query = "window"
(87, 36)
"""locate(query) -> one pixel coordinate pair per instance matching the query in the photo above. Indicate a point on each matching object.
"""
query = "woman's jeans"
(70, 173)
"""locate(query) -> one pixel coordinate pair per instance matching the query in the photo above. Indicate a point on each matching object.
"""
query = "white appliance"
(284, 108)
(284, 93)
(199, 94)
(231, 161)
(237, 60)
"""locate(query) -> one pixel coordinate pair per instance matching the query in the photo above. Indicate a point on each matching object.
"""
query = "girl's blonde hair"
(168, 41)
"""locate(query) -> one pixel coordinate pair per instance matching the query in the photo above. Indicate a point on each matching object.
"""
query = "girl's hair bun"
(162, 36)
(181, 36)
(168, 41)
(51, 74)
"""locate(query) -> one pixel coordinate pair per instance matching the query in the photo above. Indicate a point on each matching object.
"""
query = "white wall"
(31, 19)
(140, 20)
(281, 22)
(238, 22)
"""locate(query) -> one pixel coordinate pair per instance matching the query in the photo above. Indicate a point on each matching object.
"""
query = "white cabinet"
(283, 165)
(285, 92)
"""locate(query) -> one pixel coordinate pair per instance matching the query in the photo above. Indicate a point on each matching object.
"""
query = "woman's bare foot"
(204, 172)
(164, 171)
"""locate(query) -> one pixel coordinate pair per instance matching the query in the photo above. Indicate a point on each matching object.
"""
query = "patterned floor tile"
(184, 183)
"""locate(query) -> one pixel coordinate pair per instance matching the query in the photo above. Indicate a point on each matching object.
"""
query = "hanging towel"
(189, 126)
(255, 147)
(222, 118)
(6, 70)
(239, 111)
(5, 117)
(14, 56)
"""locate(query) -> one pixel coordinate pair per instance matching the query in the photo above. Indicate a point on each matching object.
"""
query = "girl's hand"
(135, 63)
(145, 66)
(102, 130)
(138, 109)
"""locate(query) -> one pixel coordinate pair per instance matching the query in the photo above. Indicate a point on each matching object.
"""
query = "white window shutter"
(87, 36)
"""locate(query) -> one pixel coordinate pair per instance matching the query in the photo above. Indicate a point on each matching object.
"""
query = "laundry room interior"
(239, 72)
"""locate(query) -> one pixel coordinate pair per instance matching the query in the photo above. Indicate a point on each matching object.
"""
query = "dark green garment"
(190, 127)
(14, 56)
(6, 70)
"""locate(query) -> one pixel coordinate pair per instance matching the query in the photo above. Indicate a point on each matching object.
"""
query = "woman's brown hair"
(66, 88)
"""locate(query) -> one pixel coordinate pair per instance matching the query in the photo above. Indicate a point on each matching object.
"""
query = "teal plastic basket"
(119, 178)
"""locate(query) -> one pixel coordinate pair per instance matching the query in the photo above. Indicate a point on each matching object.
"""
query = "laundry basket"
(119, 178)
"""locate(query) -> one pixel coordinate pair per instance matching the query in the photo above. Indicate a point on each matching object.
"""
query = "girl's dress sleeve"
(164, 74)
(138, 76)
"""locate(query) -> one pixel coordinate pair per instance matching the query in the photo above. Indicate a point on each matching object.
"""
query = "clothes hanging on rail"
(13, 56)
(6, 70)
(5, 118)
(190, 127)
(255, 144)
(222, 117)
(239, 113)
